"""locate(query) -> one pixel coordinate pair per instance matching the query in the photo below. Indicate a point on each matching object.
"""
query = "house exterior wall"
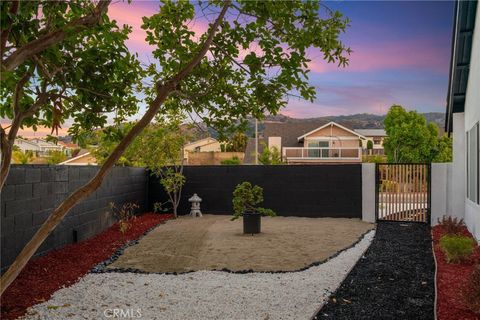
(472, 117)
(212, 157)
(275, 142)
(26, 145)
(205, 145)
(333, 131)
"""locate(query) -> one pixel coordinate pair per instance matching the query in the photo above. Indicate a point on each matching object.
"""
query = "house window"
(472, 163)
(377, 140)
(197, 149)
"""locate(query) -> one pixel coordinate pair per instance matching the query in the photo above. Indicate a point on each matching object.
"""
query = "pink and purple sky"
(401, 53)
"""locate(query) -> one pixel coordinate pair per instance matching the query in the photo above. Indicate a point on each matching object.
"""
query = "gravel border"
(205, 294)
(394, 280)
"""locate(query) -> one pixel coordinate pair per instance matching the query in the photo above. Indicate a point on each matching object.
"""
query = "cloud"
(428, 54)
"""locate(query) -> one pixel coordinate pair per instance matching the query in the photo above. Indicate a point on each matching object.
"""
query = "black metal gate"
(402, 192)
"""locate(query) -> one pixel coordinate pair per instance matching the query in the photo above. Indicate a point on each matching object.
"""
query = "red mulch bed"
(451, 278)
(61, 268)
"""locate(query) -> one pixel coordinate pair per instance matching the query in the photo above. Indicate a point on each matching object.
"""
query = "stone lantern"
(195, 200)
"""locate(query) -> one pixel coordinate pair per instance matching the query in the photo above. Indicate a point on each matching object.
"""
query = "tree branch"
(4, 34)
(36, 46)
(59, 213)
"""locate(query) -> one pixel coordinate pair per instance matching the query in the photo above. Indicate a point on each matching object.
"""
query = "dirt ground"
(215, 242)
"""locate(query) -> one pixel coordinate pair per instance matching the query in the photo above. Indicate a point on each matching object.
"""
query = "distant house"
(316, 142)
(81, 160)
(202, 145)
(38, 146)
(463, 116)
(377, 136)
(69, 147)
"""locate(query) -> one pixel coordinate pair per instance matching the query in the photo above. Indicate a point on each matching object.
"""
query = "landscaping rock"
(204, 294)
(394, 280)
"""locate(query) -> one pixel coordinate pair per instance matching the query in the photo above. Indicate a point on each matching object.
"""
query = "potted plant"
(245, 199)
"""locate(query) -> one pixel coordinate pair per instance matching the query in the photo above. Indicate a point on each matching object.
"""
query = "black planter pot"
(252, 223)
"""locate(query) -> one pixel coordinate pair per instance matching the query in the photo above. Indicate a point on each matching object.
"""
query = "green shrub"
(245, 199)
(232, 161)
(456, 248)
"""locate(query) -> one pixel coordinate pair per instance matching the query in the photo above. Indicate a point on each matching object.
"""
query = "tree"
(270, 156)
(61, 60)
(444, 149)
(160, 149)
(409, 137)
(237, 143)
(22, 157)
(232, 82)
(56, 157)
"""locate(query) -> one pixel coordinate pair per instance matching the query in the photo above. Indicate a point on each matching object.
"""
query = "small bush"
(245, 199)
(456, 248)
(124, 215)
(452, 225)
(471, 291)
(232, 161)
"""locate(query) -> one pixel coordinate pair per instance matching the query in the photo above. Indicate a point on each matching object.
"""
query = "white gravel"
(202, 294)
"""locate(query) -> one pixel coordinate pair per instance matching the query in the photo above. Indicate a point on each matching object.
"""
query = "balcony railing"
(322, 153)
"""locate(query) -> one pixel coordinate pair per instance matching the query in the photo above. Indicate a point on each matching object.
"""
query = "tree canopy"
(63, 61)
(251, 58)
(411, 139)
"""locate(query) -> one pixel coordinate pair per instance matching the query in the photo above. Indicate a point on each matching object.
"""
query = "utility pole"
(256, 141)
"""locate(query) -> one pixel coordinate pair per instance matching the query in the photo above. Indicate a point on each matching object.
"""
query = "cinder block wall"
(31, 193)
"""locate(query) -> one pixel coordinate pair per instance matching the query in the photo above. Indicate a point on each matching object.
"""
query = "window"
(377, 140)
(197, 149)
(472, 164)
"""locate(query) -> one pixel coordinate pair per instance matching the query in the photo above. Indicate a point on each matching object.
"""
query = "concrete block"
(23, 191)
(8, 193)
(7, 225)
(15, 207)
(61, 173)
(48, 174)
(33, 175)
(42, 189)
(47, 202)
(60, 187)
(22, 221)
(16, 175)
(73, 173)
(39, 218)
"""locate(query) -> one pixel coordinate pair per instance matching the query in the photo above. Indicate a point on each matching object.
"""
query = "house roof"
(462, 36)
(205, 141)
(331, 123)
(372, 132)
(27, 141)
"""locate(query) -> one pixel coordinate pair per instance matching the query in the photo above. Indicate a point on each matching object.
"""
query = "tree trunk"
(6, 151)
(54, 219)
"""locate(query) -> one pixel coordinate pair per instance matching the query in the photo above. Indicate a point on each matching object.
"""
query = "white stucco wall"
(458, 183)
(440, 197)
(472, 117)
(368, 192)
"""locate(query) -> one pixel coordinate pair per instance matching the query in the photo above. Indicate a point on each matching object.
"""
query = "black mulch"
(394, 279)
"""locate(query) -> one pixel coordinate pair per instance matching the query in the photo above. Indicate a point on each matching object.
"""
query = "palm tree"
(22, 157)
